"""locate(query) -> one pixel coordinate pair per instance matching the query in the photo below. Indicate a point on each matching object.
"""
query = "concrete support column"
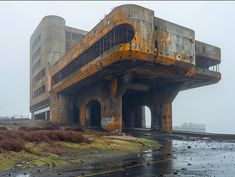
(82, 115)
(161, 107)
(166, 119)
(60, 108)
(143, 118)
(156, 115)
(111, 118)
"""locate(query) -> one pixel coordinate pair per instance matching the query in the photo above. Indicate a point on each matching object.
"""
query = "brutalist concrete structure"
(129, 60)
(49, 42)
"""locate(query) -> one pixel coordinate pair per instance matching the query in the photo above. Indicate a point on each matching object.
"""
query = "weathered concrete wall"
(105, 93)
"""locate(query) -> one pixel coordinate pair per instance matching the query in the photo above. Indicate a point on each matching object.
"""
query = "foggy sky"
(213, 23)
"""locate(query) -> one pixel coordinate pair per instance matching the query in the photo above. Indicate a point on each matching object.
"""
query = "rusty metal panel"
(142, 20)
(175, 40)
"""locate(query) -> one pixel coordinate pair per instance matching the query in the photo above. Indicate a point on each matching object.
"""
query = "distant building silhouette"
(191, 127)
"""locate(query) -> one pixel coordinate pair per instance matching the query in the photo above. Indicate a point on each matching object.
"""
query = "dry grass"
(16, 140)
(48, 126)
(11, 145)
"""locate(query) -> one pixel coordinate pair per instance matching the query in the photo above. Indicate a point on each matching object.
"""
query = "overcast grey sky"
(213, 22)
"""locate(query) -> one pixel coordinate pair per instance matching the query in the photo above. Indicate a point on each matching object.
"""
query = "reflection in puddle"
(23, 175)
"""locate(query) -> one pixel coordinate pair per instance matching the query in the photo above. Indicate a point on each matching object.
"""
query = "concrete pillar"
(156, 115)
(60, 108)
(166, 119)
(82, 115)
(161, 107)
(111, 117)
(143, 118)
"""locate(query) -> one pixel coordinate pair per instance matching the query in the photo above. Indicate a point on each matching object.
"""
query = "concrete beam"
(139, 87)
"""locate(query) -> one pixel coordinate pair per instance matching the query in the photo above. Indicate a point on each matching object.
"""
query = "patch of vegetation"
(9, 160)
(16, 140)
(77, 161)
(58, 147)
(47, 160)
(48, 126)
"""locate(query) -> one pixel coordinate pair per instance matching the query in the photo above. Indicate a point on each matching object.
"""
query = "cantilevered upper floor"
(130, 39)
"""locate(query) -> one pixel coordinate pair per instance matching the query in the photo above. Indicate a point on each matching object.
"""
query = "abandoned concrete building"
(49, 42)
(104, 77)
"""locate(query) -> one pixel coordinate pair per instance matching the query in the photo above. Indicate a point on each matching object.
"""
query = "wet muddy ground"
(179, 155)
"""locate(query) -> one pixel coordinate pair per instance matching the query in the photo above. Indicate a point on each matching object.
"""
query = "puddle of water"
(23, 175)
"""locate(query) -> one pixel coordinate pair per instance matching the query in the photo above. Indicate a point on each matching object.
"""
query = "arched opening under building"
(140, 117)
(135, 116)
(93, 113)
(76, 115)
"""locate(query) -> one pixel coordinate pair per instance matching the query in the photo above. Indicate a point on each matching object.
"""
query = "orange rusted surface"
(142, 47)
(191, 72)
(113, 124)
(167, 118)
(157, 56)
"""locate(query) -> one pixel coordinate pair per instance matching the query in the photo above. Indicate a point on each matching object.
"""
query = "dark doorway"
(93, 113)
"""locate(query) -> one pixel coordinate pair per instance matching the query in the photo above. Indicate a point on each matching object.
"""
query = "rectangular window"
(76, 37)
(68, 36)
(38, 92)
(68, 47)
(73, 36)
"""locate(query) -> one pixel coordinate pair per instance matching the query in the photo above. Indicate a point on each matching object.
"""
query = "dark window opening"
(73, 36)
(38, 92)
(40, 116)
(121, 34)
